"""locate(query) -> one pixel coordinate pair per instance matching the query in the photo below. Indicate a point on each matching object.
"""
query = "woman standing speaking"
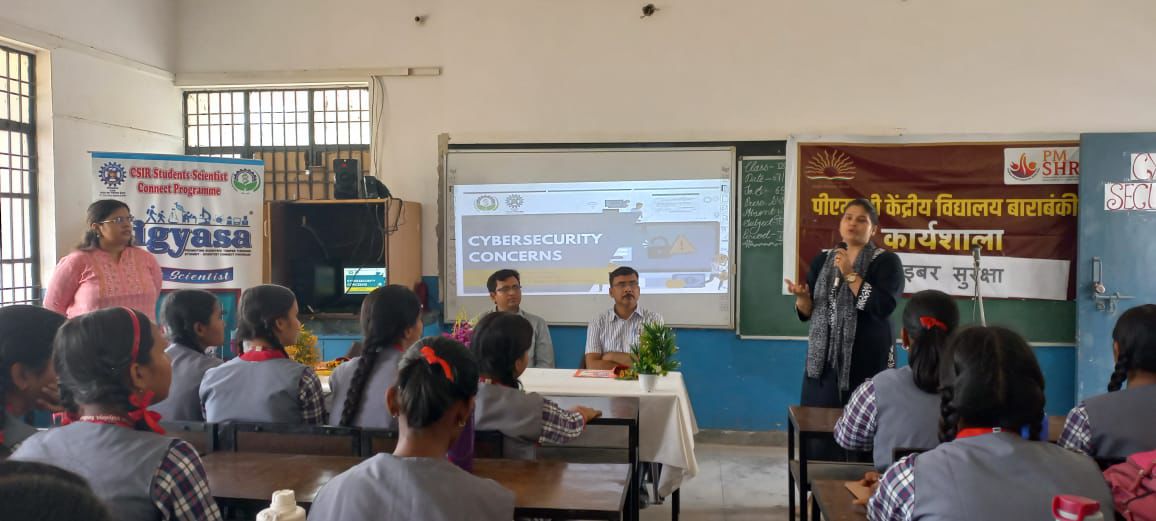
(850, 293)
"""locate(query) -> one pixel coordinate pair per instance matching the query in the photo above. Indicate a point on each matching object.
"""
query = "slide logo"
(1041, 165)
(486, 203)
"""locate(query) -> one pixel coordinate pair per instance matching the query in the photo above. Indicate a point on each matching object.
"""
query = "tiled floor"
(734, 483)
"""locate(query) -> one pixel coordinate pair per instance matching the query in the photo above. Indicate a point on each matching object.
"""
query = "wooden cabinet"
(301, 235)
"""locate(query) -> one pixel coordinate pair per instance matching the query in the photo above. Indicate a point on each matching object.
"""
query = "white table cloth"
(666, 420)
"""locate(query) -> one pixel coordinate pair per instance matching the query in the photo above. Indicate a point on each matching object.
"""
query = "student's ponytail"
(385, 316)
(991, 379)
(500, 340)
(1135, 336)
(433, 374)
(94, 352)
(929, 319)
(259, 310)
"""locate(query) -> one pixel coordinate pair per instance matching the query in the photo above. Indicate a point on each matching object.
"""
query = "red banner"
(1016, 201)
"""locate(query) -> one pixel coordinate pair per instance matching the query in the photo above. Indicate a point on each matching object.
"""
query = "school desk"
(553, 489)
(833, 501)
(666, 422)
(812, 423)
(819, 422)
(619, 413)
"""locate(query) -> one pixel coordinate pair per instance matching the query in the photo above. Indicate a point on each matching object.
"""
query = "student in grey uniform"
(390, 322)
(41, 492)
(1113, 426)
(27, 378)
(194, 321)
(264, 384)
(436, 383)
(112, 365)
(992, 390)
(501, 341)
(899, 408)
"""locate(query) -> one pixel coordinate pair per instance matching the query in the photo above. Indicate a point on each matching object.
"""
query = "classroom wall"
(104, 68)
(528, 70)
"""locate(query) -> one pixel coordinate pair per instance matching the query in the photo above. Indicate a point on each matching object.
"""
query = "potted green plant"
(654, 354)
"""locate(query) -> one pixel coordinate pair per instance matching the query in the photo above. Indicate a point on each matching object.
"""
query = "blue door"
(1117, 248)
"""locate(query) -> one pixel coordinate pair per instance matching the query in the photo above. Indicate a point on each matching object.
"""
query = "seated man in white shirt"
(610, 335)
(506, 291)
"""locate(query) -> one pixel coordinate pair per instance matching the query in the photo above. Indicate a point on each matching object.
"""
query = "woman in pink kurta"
(105, 270)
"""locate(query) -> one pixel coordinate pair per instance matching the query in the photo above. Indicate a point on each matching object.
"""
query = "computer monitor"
(362, 280)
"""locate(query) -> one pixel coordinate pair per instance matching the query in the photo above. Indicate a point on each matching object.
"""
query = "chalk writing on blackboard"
(762, 209)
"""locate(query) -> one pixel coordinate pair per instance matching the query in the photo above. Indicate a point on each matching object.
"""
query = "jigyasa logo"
(112, 175)
(246, 181)
(175, 241)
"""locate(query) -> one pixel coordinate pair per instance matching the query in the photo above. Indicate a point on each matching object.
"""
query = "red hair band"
(930, 322)
(432, 357)
(141, 400)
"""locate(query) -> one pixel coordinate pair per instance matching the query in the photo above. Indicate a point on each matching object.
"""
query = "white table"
(666, 420)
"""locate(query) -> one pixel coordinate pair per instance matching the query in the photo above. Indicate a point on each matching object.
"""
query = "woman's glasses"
(119, 220)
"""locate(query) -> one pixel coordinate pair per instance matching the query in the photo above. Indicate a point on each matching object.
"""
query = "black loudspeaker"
(346, 179)
(375, 189)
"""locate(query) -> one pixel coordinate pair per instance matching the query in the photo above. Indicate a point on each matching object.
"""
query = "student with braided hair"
(1122, 422)
(437, 380)
(112, 366)
(390, 322)
(991, 390)
(502, 344)
(899, 408)
(27, 378)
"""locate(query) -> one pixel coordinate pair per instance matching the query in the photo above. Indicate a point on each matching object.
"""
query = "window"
(19, 267)
(297, 132)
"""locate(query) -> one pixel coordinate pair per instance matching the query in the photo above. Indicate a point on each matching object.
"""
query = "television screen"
(362, 280)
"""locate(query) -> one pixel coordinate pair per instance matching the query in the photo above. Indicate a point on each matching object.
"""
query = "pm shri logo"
(112, 175)
(1022, 169)
(246, 181)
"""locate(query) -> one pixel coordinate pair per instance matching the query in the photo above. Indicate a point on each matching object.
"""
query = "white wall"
(104, 69)
(522, 70)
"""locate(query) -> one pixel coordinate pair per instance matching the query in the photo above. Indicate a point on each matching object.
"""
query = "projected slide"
(565, 237)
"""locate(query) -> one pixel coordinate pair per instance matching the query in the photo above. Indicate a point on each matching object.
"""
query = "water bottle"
(283, 508)
(1076, 508)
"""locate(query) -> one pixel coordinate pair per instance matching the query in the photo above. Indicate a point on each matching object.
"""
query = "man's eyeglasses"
(510, 289)
(627, 284)
(119, 220)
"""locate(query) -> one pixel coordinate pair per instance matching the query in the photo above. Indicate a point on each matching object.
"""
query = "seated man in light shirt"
(610, 334)
(506, 291)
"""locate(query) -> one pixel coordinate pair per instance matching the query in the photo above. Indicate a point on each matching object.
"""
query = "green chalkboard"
(763, 309)
(765, 312)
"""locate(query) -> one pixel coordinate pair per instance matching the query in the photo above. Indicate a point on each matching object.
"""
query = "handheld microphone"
(975, 253)
(838, 274)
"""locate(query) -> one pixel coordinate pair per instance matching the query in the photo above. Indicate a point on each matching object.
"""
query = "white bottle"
(283, 508)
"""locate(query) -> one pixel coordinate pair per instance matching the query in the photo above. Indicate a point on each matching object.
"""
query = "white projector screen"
(565, 218)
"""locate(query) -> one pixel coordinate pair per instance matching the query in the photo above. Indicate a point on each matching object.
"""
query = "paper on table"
(858, 490)
(594, 373)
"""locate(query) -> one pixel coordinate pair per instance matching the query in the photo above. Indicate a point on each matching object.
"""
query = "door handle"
(1104, 300)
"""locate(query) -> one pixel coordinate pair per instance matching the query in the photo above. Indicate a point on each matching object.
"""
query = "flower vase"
(648, 381)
